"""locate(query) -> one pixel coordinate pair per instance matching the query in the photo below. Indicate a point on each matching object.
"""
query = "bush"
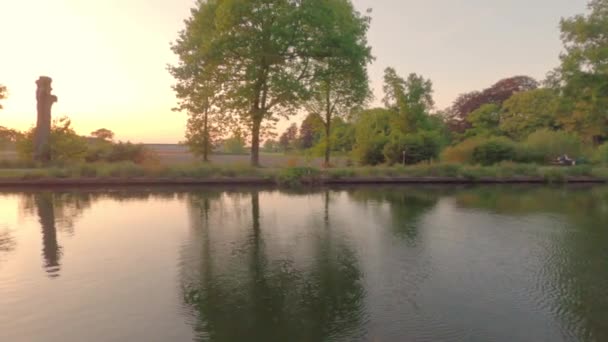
(65, 144)
(294, 176)
(545, 145)
(601, 154)
(462, 153)
(423, 146)
(371, 152)
(493, 151)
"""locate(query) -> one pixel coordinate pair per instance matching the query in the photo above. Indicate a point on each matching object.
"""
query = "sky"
(108, 58)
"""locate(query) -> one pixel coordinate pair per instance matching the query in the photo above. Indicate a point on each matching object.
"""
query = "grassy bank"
(440, 173)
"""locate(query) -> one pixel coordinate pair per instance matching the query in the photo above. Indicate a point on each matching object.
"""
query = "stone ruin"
(42, 148)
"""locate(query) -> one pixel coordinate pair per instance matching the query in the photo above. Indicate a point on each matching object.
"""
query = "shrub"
(493, 151)
(545, 145)
(295, 175)
(601, 154)
(65, 144)
(462, 152)
(412, 148)
(371, 152)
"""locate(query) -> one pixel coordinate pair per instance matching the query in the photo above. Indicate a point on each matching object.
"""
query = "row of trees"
(247, 63)
(569, 108)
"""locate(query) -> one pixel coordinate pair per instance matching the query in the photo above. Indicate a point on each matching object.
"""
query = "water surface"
(350, 264)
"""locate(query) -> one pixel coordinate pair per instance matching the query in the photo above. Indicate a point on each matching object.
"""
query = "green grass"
(293, 176)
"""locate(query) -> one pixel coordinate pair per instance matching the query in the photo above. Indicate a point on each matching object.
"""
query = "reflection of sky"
(106, 263)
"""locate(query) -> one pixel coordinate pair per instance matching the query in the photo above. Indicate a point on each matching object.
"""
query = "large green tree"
(484, 121)
(411, 98)
(528, 111)
(583, 74)
(311, 130)
(340, 58)
(259, 50)
(199, 84)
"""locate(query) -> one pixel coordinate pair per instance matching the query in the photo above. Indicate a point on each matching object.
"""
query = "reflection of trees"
(7, 242)
(60, 210)
(50, 247)
(407, 205)
(250, 293)
(575, 273)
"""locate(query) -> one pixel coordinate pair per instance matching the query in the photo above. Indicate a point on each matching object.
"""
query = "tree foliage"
(103, 134)
(528, 111)
(484, 121)
(289, 138)
(583, 74)
(372, 131)
(498, 93)
(411, 99)
(257, 53)
(311, 130)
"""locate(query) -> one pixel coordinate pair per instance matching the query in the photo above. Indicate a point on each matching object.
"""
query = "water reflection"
(574, 278)
(255, 291)
(51, 251)
(399, 263)
(406, 206)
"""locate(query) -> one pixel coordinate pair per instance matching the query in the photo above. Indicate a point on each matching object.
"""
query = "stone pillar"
(42, 148)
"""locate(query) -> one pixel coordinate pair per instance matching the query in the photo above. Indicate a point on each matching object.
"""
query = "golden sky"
(108, 58)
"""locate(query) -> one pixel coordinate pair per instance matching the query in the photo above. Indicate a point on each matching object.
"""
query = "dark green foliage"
(372, 151)
(494, 151)
(419, 147)
(295, 176)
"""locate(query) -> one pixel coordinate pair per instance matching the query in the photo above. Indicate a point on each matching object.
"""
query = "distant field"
(178, 154)
(8, 155)
(170, 154)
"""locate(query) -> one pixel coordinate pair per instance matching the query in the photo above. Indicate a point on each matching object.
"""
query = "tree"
(289, 138)
(484, 121)
(236, 143)
(9, 136)
(372, 131)
(2, 94)
(528, 111)
(271, 146)
(498, 93)
(103, 134)
(311, 130)
(411, 99)
(339, 62)
(199, 86)
(583, 74)
(258, 52)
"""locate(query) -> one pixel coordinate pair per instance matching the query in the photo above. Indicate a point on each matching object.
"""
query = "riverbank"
(46, 182)
(131, 174)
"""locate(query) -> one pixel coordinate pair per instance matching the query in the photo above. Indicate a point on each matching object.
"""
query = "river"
(373, 263)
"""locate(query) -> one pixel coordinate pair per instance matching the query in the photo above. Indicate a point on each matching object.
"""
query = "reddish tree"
(496, 94)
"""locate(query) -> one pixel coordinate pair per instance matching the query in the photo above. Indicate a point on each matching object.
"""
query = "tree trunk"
(327, 124)
(206, 136)
(45, 100)
(255, 142)
(327, 141)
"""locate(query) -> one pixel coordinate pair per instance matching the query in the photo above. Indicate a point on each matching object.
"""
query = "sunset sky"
(108, 58)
